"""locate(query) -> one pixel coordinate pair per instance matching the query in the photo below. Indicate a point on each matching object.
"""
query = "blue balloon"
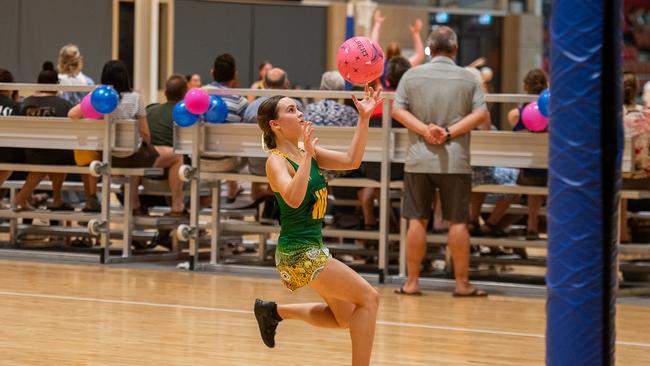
(544, 101)
(104, 99)
(182, 116)
(217, 112)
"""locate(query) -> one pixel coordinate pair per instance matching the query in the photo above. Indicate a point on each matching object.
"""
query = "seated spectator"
(131, 106)
(45, 104)
(264, 67)
(636, 123)
(535, 82)
(329, 112)
(193, 81)
(274, 78)
(395, 68)
(225, 75)
(159, 116)
(70, 66)
(9, 106)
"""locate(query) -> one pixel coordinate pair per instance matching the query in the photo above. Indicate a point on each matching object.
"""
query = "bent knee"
(371, 298)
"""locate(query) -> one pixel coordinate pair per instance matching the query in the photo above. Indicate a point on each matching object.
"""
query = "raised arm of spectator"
(418, 46)
(376, 26)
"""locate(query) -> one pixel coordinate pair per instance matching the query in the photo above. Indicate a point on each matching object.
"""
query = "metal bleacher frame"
(69, 134)
(385, 144)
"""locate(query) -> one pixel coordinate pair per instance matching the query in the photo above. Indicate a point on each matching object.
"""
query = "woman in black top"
(45, 104)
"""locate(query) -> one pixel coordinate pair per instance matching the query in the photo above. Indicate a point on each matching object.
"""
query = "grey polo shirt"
(443, 93)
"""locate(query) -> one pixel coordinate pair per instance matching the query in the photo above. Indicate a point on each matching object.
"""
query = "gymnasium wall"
(291, 37)
(32, 31)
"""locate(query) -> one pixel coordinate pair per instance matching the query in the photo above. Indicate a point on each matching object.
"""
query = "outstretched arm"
(376, 26)
(418, 46)
(336, 160)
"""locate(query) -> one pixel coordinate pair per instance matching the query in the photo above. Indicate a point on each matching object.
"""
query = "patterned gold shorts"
(302, 265)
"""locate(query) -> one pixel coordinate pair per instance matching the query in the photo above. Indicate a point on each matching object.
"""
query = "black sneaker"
(266, 313)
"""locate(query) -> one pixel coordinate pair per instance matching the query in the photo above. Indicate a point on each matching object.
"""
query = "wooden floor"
(53, 314)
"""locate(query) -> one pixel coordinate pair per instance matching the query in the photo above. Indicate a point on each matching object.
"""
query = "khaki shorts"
(299, 266)
(226, 164)
(419, 191)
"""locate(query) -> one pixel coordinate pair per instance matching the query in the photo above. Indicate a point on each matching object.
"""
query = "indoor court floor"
(59, 314)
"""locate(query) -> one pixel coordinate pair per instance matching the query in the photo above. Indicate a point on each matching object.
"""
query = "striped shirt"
(236, 103)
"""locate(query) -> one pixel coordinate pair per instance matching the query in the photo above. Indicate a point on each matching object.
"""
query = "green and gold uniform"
(301, 254)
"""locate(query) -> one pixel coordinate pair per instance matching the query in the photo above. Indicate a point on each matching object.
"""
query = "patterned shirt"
(328, 112)
(236, 104)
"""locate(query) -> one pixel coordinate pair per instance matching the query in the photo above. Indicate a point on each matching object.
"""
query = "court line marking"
(240, 311)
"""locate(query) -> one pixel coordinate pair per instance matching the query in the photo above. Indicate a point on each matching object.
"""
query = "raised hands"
(308, 142)
(416, 27)
(377, 17)
(370, 100)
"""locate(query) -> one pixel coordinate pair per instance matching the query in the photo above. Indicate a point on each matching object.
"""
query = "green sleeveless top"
(303, 225)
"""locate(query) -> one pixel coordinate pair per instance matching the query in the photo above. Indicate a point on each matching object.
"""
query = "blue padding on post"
(579, 316)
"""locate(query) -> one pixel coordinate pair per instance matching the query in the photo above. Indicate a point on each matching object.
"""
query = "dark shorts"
(419, 191)
(49, 157)
(143, 158)
(533, 177)
(372, 170)
(12, 155)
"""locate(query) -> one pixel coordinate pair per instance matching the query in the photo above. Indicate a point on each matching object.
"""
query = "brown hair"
(535, 81)
(630, 88)
(175, 88)
(396, 68)
(268, 111)
(393, 50)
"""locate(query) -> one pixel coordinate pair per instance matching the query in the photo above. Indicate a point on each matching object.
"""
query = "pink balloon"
(360, 60)
(533, 119)
(197, 101)
(87, 109)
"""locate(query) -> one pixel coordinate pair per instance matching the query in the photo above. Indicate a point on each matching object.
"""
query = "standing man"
(440, 103)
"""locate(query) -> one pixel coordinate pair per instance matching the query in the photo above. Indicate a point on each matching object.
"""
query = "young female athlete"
(301, 258)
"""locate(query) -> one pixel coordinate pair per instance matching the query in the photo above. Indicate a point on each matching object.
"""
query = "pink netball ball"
(360, 60)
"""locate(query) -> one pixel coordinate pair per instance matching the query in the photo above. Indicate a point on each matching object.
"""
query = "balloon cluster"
(198, 102)
(103, 100)
(535, 114)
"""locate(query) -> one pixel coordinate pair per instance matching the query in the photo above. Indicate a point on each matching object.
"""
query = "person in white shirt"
(70, 65)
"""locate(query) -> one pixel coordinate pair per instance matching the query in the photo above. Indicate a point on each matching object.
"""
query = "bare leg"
(90, 185)
(167, 159)
(500, 210)
(366, 197)
(476, 202)
(458, 244)
(259, 190)
(438, 222)
(233, 188)
(534, 204)
(31, 182)
(338, 281)
(415, 250)
(57, 188)
(4, 175)
(624, 235)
